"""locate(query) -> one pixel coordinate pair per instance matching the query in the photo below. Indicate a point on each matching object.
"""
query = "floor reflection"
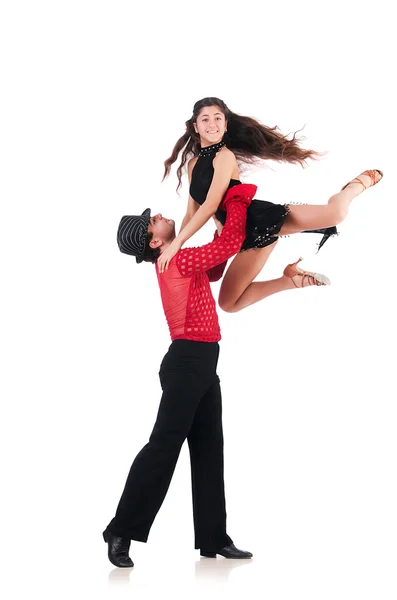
(120, 576)
(218, 569)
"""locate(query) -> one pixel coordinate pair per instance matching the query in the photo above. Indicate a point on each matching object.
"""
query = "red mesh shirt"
(188, 303)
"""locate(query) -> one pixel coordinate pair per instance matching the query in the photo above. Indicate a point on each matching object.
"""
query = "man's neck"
(166, 244)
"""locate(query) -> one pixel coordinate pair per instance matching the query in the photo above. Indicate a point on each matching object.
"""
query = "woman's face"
(210, 125)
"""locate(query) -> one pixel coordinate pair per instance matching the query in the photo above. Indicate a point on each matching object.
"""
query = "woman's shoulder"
(225, 157)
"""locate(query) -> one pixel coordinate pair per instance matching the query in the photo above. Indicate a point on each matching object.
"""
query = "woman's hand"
(165, 257)
(218, 224)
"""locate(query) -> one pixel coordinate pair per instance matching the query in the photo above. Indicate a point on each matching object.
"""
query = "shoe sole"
(208, 555)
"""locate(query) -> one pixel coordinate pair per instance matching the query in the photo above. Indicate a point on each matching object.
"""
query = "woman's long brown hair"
(248, 139)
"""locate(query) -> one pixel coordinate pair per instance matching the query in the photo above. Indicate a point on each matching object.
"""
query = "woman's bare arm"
(192, 205)
(224, 165)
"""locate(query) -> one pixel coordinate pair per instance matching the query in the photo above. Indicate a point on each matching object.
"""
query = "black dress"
(264, 219)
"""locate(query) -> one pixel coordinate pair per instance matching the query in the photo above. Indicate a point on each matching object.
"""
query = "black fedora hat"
(132, 234)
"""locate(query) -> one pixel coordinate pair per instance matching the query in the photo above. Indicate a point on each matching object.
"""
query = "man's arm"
(215, 273)
(205, 258)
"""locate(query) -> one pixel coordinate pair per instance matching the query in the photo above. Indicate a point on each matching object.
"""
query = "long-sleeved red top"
(188, 303)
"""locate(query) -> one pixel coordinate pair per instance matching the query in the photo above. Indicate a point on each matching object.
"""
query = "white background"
(94, 97)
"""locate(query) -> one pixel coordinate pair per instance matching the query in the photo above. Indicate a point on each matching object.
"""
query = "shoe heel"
(105, 536)
(208, 554)
(292, 269)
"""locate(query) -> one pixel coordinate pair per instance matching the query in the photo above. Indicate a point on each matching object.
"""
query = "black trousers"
(190, 407)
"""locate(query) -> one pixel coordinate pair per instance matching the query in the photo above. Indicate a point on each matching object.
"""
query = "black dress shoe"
(228, 552)
(118, 550)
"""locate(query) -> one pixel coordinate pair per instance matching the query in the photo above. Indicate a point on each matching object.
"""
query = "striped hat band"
(132, 234)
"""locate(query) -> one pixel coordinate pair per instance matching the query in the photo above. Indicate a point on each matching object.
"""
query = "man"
(190, 405)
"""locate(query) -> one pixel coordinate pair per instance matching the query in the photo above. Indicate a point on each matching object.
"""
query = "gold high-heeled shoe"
(308, 278)
(372, 173)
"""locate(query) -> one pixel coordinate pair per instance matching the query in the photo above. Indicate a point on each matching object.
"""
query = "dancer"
(191, 404)
(217, 137)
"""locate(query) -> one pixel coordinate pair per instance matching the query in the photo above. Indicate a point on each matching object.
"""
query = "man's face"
(162, 229)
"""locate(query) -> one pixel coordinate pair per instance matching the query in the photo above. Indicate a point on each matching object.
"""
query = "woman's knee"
(338, 210)
(226, 304)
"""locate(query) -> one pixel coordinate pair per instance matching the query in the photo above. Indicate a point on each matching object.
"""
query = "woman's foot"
(301, 278)
(366, 179)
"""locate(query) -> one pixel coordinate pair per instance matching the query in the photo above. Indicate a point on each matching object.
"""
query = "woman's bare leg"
(238, 290)
(319, 216)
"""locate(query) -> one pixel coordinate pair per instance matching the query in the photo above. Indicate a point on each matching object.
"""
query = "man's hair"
(150, 254)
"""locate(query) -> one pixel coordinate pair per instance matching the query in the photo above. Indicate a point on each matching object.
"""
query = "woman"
(217, 137)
